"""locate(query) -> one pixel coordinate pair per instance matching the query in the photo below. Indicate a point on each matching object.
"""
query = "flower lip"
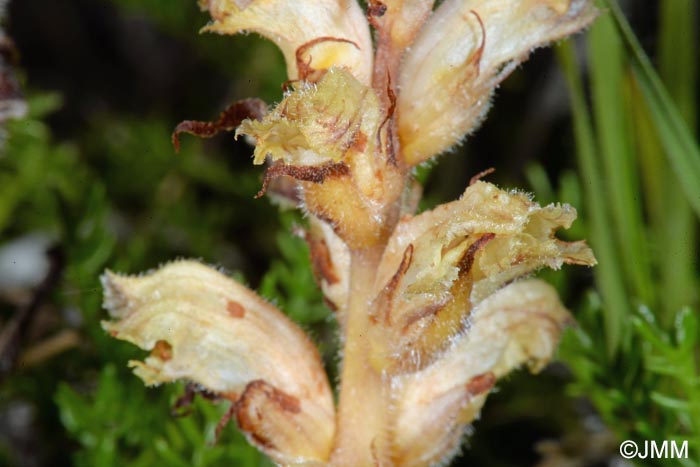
(464, 50)
(203, 327)
(317, 34)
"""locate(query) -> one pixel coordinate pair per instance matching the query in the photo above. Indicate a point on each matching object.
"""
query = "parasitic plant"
(433, 308)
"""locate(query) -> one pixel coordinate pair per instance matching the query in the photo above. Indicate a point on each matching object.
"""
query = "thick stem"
(364, 397)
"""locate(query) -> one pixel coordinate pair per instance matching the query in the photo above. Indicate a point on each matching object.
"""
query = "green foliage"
(289, 281)
(676, 136)
(635, 354)
(31, 161)
(651, 392)
(119, 423)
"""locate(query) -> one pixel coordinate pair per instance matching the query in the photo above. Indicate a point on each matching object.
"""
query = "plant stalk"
(362, 417)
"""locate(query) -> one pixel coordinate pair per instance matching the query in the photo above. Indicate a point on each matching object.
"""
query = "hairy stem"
(364, 395)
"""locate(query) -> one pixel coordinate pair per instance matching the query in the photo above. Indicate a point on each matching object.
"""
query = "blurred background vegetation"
(89, 180)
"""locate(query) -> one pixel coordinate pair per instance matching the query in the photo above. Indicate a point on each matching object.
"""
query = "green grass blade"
(678, 67)
(678, 55)
(676, 138)
(673, 230)
(608, 276)
(606, 58)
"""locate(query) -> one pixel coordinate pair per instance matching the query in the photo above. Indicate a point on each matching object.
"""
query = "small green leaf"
(686, 325)
(669, 402)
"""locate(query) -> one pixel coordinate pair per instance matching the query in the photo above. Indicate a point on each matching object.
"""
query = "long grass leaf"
(678, 55)
(608, 276)
(676, 137)
(606, 58)
(678, 67)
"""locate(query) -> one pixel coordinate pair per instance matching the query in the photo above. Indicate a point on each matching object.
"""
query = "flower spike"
(433, 308)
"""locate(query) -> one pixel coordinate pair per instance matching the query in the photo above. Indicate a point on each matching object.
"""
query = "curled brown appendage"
(228, 120)
(225, 419)
(475, 58)
(481, 175)
(287, 85)
(321, 262)
(305, 173)
(388, 293)
(391, 95)
(247, 409)
(304, 67)
(183, 406)
(467, 261)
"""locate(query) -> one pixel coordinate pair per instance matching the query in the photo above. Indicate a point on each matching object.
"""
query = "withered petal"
(228, 120)
(319, 123)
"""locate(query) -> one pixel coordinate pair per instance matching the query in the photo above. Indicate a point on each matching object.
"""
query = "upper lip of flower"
(316, 34)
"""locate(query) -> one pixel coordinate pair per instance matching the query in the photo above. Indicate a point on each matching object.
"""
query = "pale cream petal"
(519, 324)
(405, 18)
(443, 263)
(203, 327)
(295, 25)
(464, 51)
